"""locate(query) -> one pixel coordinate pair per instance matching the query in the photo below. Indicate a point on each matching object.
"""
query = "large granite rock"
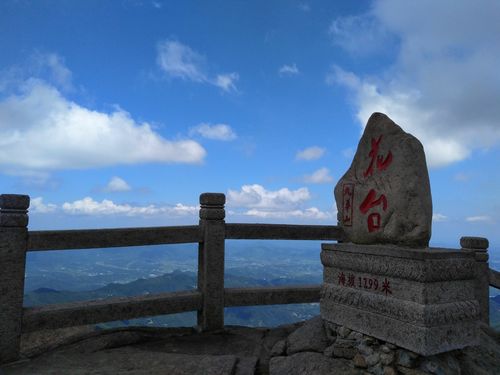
(385, 195)
(310, 337)
(127, 360)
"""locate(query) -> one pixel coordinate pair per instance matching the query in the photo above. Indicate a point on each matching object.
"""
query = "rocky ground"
(311, 347)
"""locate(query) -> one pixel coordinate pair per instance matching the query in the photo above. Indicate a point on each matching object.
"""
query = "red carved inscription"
(369, 283)
(376, 159)
(371, 201)
(347, 203)
(381, 163)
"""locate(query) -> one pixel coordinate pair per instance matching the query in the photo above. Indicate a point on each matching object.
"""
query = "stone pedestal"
(419, 299)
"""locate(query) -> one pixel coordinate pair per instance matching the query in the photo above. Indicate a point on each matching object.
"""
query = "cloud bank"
(42, 130)
(444, 85)
(88, 206)
(283, 203)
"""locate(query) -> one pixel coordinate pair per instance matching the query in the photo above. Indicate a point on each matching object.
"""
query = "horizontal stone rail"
(283, 232)
(91, 312)
(271, 295)
(494, 277)
(101, 238)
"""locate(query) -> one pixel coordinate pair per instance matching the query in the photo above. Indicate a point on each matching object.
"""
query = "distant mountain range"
(261, 316)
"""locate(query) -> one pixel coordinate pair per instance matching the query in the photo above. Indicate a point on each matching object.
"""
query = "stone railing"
(209, 299)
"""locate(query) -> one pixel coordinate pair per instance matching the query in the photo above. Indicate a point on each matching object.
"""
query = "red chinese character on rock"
(350, 280)
(347, 196)
(377, 159)
(341, 278)
(370, 201)
(386, 287)
(374, 220)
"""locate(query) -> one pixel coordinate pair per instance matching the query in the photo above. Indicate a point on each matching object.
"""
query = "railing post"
(13, 246)
(211, 261)
(479, 246)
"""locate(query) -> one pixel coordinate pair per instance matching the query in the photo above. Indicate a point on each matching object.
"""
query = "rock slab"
(385, 196)
(420, 300)
(309, 363)
(310, 337)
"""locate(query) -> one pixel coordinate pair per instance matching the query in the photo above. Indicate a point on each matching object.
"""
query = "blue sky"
(120, 113)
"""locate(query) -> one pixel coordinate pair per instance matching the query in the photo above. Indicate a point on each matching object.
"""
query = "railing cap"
(479, 243)
(14, 202)
(213, 199)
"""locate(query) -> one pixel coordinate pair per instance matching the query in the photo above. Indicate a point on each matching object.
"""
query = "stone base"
(419, 299)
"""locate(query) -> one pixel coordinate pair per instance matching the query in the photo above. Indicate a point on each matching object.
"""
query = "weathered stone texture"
(13, 246)
(310, 337)
(421, 300)
(385, 196)
(211, 261)
(236, 350)
(309, 363)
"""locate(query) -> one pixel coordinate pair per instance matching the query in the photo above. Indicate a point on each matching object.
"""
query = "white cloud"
(60, 75)
(289, 70)
(37, 206)
(308, 213)
(47, 66)
(256, 196)
(117, 184)
(352, 32)
(88, 206)
(42, 130)
(310, 153)
(474, 219)
(321, 176)
(444, 86)
(437, 217)
(227, 81)
(221, 132)
(283, 203)
(178, 60)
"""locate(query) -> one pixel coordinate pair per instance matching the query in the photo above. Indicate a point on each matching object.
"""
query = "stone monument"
(383, 280)
(385, 195)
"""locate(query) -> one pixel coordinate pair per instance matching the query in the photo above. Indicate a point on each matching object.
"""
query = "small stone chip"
(364, 349)
(372, 359)
(343, 331)
(387, 358)
(390, 371)
(385, 349)
(359, 361)
(406, 358)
